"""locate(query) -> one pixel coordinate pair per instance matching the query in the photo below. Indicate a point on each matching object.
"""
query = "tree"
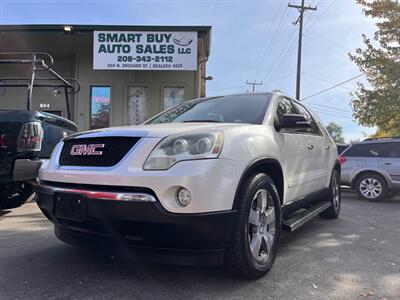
(336, 132)
(379, 103)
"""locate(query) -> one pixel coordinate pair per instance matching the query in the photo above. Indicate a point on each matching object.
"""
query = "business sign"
(144, 50)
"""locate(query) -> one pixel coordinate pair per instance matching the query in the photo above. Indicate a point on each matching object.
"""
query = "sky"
(251, 40)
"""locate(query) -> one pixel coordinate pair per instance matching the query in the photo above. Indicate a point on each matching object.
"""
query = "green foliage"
(379, 103)
(336, 132)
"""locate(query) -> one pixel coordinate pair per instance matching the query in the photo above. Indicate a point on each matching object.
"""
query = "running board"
(298, 219)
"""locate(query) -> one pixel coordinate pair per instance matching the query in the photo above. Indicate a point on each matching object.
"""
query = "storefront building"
(127, 73)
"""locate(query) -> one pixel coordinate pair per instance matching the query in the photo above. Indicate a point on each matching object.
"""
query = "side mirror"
(294, 121)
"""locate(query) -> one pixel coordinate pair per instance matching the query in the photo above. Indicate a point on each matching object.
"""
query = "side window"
(321, 125)
(357, 151)
(374, 150)
(314, 127)
(394, 150)
(385, 150)
(285, 106)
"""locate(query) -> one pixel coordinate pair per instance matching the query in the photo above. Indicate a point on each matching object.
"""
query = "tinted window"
(229, 109)
(314, 128)
(285, 106)
(374, 150)
(341, 148)
(393, 150)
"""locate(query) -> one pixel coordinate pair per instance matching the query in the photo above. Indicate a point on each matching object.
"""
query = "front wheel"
(257, 230)
(14, 195)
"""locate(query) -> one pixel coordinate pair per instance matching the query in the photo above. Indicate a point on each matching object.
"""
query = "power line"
(320, 16)
(330, 108)
(284, 54)
(301, 8)
(228, 88)
(243, 86)
(332, 87)
(332, 114)
(323, 80)
(277, 30)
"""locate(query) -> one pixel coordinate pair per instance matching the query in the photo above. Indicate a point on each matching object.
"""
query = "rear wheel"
(258, 227)
(334, 197)
(14, 195)
(372, 187)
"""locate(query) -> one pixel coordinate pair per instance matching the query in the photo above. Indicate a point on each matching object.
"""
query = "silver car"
(372, 168)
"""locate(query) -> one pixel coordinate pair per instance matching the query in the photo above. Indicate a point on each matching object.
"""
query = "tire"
(257, 203)
(334, 197)
(16, 199)
(371, 187)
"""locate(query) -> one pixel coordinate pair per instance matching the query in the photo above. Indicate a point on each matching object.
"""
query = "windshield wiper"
(202, 121)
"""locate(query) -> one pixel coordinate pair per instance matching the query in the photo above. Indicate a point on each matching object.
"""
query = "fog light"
(183, 197)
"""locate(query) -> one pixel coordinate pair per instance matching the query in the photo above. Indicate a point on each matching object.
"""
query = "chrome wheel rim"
(335, 193)
(261, 225)
(371, 188)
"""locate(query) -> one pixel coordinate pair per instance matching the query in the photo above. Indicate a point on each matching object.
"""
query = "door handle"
(327, 147)
(388, 163)
(310, 147)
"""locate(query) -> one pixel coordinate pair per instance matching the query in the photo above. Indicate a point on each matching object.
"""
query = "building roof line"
(87, 27)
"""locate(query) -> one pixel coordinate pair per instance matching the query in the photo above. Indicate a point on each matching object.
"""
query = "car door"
(318, 159)
(390, 160)
(294, 153)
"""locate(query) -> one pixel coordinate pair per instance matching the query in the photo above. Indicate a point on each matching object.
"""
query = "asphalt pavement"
(356, 256)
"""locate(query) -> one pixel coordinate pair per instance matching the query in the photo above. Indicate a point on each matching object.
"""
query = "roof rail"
(381, 138)
(38, 61)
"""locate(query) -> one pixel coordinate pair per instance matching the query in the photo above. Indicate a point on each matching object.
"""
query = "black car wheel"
(334, 197)
(15, 195)
(257, 230)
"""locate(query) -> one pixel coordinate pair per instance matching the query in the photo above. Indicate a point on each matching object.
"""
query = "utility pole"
(254, 83)
(299, 21)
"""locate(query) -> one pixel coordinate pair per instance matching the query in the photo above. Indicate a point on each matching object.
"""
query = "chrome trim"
(100, 195)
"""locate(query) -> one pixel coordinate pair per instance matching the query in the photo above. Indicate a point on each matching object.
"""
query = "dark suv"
(28, 137)
(372, 168)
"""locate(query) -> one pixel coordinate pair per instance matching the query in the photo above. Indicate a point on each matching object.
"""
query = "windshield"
(228, 109)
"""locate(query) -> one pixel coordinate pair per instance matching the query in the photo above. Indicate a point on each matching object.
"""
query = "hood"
(154, 130)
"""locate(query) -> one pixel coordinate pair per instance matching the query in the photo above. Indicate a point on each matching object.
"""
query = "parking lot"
(354, 257)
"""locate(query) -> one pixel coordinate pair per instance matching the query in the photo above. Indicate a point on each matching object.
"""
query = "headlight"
(177, 148)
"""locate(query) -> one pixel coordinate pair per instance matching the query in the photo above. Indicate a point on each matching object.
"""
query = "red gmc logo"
(90, 149)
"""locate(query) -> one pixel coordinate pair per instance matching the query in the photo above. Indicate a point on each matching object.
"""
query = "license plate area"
(70, 206)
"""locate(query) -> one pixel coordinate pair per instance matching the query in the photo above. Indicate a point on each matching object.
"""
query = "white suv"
(209, 181)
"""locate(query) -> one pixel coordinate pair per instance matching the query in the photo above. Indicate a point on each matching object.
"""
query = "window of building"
(173, 95)
(100, 106)
(137, 104)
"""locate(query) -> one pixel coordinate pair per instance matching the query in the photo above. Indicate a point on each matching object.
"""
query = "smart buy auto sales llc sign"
(144, 50)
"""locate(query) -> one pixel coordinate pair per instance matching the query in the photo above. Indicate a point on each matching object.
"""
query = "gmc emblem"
(90, 149)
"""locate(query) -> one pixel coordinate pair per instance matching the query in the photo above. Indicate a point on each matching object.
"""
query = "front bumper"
(138, 229)
(211, 182)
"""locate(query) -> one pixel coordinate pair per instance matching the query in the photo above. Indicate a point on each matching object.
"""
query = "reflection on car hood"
(154, 130)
